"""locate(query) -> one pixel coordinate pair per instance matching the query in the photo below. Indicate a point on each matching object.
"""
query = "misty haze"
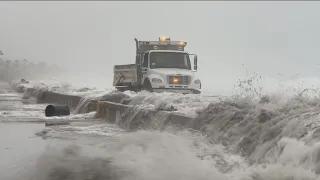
(159, 90)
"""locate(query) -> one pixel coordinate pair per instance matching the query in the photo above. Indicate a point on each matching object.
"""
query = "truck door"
(145, 66)
(193, 61)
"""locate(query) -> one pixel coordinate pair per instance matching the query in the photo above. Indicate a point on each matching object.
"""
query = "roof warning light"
(163, 38)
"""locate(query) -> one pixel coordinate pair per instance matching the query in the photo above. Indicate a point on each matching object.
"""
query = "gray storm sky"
(267, 37)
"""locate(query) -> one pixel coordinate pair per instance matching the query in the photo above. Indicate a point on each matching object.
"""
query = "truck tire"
(122, 89)
(147, 86)
(196, 92)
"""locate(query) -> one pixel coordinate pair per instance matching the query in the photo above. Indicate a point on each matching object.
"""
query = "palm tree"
(1, 60)
(16, 63)
(8, 63)
(25, 62)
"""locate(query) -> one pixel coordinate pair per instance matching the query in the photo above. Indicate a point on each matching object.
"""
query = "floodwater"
(234, 138)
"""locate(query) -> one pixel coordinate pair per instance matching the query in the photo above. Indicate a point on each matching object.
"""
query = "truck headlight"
(156, 80)
(197, 81)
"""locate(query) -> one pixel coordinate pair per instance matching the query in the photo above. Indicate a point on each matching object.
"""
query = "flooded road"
(236, 139)
(20, 148)
(25, 140)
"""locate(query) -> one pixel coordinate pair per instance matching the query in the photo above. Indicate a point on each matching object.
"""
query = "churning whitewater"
(261, 137)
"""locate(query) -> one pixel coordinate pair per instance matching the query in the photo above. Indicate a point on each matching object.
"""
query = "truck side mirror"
(195, 62)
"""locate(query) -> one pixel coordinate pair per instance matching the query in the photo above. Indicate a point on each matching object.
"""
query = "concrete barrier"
(110, 111)
(178, 119)
(42, 95)
(92, 106)
(113, 113)
(60, 99)
(29, 92)
(18, 87)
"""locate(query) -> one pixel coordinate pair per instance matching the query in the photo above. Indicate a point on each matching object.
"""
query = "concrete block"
(178, 119)
(110, 111)
(92, 106)
(60, 99)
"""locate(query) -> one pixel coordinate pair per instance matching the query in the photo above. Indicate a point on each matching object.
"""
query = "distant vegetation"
(24, 69)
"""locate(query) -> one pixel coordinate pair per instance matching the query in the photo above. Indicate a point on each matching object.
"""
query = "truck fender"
(146, 80)
(147, 88)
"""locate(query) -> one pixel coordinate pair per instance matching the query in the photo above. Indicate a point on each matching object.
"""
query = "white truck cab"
(160, 66)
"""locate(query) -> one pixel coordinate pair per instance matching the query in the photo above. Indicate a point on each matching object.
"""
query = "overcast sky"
(266, 37)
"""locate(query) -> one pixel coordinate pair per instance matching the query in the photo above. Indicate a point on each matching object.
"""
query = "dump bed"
(124, 75)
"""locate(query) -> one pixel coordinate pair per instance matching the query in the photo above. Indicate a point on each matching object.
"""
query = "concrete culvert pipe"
(55, 110)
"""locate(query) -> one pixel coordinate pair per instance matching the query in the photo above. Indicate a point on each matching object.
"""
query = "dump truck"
(160, 66)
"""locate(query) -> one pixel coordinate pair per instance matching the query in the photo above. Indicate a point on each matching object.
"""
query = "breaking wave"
(169, 155)
(253, 135)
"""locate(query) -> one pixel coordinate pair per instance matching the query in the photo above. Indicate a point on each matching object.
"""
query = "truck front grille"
(183, 80)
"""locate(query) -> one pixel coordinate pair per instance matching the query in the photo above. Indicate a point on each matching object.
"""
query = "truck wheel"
(121, 89)
(147, 86)
(196, 92)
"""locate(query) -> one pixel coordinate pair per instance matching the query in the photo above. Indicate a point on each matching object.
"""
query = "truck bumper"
(177, 90)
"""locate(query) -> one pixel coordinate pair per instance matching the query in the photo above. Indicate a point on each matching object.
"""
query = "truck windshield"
(169, 60)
